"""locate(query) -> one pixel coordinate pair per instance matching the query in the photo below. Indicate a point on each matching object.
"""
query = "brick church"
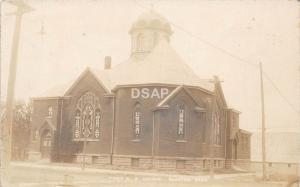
(151, 111)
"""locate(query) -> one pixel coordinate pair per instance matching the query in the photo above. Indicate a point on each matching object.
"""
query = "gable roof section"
(174, 93)
(65, 89)
(56, 91)
(83, 74)
(47, 124)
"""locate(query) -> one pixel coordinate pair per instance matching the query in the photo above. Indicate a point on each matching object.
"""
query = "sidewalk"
(26, 174)
(151, 173)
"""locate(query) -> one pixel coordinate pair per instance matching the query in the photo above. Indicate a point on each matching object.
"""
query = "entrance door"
(46, 144)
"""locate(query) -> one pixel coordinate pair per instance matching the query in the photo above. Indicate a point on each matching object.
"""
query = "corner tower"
(145, 33)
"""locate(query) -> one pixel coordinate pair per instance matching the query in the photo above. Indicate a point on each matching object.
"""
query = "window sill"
(88, 140)
(181, 141)
(135, 140)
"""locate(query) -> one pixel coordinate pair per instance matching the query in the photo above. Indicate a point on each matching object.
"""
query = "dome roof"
(151, 20)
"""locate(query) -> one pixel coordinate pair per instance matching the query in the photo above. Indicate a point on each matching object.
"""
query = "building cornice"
(142, 85)
(50, 98)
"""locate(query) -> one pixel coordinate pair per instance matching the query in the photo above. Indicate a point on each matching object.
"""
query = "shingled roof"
(163, 66)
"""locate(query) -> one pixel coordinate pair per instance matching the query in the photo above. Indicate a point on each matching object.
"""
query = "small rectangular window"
(180, 164)
(270, 164)
(204, 163)
(94, 159)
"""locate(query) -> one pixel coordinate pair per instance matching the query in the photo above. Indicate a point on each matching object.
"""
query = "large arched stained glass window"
(87, 117)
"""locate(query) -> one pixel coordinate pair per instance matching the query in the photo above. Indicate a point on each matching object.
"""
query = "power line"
(215, 46)
(203, 40)
(240, 59)
(280, 93)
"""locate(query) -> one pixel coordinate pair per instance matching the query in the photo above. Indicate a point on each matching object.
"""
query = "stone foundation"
(161, 163)
(141, 162)
(94, 159)
(101, 159)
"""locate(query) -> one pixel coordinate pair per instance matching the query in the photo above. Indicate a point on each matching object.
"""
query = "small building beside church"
(151, 111)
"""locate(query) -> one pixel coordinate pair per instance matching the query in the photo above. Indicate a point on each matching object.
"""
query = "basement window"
(135, 162)
(215, 163)
(180, 164)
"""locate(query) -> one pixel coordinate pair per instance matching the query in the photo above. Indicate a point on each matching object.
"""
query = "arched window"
(50, 111)
(35, 134)
(181, 120)
(77, 124)
(137, 119)
(87, 117)
(97, 123)
(216, 127)
(218, 132)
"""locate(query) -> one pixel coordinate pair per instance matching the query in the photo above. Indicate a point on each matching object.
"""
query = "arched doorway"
(46, 143)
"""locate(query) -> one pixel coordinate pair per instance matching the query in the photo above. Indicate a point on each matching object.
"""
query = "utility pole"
(211, 139)
(1, 133)
(298, 110)
(22, 8)
(263, 128)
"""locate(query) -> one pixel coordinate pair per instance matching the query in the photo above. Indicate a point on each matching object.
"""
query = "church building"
(149, 112)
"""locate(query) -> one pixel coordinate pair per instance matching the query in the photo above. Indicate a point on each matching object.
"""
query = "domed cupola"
(146, 32)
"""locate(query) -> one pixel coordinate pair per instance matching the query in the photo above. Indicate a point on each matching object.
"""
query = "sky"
(226, 38)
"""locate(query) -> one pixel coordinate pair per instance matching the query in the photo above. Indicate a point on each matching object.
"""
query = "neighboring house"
(151, 111)
(282, 152)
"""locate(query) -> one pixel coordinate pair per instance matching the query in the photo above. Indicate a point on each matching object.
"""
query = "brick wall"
(103, 145)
